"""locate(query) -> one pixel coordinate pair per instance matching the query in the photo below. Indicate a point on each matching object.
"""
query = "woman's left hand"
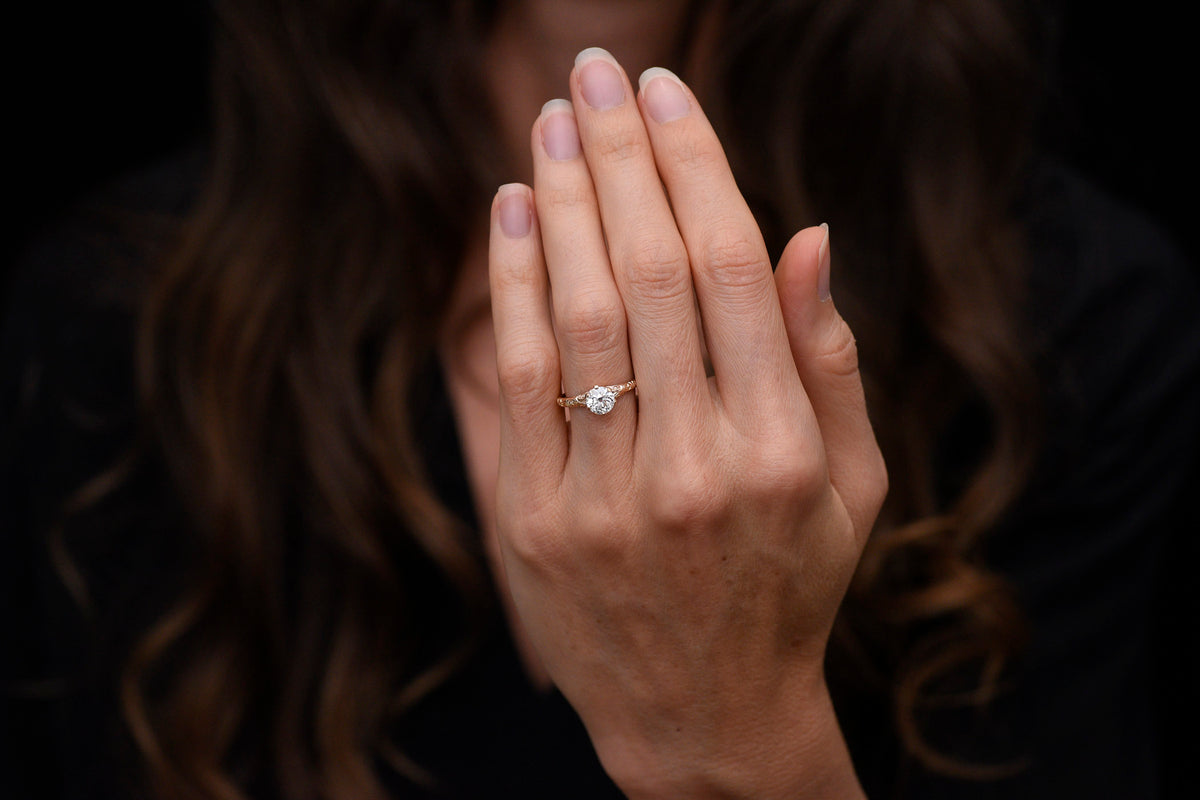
(677, 562)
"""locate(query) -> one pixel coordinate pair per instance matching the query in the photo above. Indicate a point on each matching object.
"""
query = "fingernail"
(560, 136)
(599, 80)
(664, 95)
(514, 213)
(823, 260)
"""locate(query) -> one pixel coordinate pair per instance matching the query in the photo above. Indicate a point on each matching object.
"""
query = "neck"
(534, 44)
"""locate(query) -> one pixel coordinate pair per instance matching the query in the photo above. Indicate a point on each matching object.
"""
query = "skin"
(532, 47)
(675, 566)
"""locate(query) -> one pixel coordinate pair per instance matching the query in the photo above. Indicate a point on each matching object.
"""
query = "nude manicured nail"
(664, 95)
(599, 79)
(560, 136)
(515, 215)
(823, 260)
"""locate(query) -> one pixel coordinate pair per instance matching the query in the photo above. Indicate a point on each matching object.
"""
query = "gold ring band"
(598, 399)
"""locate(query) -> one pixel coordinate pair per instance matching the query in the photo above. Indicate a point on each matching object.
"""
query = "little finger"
(533, 435)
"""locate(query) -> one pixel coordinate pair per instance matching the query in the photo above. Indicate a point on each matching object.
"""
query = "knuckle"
(531, 534)
(599, 537)
(838, 353)
(657, 268)
(565, 196)
(593, 322)
(735, 260)
(527, 374)
(595, 529)
(620, 144)
(805, 471)
(541, 550)
(684, 498)
(699, 155)
(791, 471)
(517, 279)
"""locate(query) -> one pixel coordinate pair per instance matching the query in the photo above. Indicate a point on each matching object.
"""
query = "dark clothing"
(1097, 547)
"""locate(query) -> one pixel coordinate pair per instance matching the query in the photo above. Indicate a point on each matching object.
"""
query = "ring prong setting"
(600, 399)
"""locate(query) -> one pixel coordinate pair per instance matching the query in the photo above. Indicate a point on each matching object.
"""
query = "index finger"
(731, 270)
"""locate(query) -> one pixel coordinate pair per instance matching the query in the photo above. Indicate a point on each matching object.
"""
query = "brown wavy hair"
(282, 344)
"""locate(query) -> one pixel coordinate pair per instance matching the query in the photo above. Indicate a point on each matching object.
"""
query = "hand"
(677, 562)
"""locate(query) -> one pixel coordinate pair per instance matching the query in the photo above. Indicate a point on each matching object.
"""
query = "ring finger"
(589, 317)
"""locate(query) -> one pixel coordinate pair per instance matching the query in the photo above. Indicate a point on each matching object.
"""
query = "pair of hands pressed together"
(677, 563)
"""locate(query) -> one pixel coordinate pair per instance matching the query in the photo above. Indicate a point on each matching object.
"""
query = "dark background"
(97, 89)
(101, 88)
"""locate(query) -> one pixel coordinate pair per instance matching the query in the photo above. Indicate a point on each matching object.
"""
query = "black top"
(1096, 547)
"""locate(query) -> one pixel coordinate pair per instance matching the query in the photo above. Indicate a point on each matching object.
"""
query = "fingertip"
(559, 105)
(800, 262)
(592, 53)
(559, 131)
(656, 72)
(600, 79)
(507, 189)
(514, 210)
(663, 95)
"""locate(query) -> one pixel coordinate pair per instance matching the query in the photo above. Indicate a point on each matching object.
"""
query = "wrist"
(793, 750)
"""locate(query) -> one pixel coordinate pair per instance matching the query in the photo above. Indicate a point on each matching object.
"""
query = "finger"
(533, 435)
(826, 358)
(648, 258)
(589, 318)
(744, 328)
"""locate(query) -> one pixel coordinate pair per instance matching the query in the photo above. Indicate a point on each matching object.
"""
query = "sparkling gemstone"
(600, 399)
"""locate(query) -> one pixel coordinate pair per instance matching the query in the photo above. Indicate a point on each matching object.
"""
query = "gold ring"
(598, 399)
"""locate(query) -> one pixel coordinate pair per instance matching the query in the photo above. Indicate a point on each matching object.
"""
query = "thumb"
(826, 357)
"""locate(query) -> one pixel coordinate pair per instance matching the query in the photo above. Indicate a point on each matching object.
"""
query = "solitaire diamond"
(600, 399)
